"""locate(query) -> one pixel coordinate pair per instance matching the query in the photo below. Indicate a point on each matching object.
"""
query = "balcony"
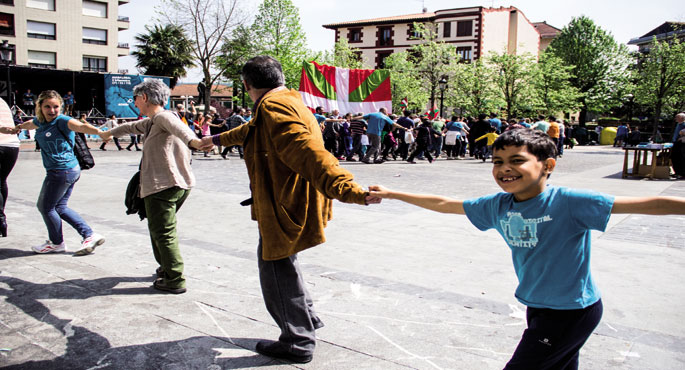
(122, 49)
(122, 23)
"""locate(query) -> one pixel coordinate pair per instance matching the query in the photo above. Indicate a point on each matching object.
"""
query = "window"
(464, 53)
(413, 33)
(94, 9)
(380, 58)
(94, 64)
(43, 59)
(41, 4)
(354, 35)
(7, 2)
(6, 24)
(385, 36)
(94, 36)
(40, 30)
(447, 29)
(464, 28)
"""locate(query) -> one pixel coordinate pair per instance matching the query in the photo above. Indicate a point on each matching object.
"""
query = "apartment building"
(75, 35)
(474, 31)
(665, 31)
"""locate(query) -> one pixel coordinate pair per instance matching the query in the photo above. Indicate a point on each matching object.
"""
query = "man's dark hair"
(407, 113)
(552, 118)
(482, 116)
(262, 72)
(536, 142)
(454, 118)
(541, 117)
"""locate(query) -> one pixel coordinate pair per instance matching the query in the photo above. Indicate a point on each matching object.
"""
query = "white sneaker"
(48, 247)
(88, 245)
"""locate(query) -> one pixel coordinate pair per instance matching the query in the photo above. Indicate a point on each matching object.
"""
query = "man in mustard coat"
(293, 179)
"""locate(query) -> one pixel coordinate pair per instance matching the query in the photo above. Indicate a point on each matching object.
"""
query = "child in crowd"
(548, 232)
(490, 137)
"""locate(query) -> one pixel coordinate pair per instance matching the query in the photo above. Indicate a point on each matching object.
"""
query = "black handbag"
(81, 150)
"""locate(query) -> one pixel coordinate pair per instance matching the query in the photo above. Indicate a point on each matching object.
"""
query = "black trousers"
(678, 158)
(421, 147)
(554, 337)
(8, 157)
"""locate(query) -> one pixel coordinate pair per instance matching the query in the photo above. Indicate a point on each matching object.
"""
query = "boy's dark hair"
(492, 129)
(263, 72)
(454, 118)
(482, 116)
(407, 113)
(536, 142)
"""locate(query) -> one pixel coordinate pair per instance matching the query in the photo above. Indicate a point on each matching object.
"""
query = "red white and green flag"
(435, 113)
(347, 90)
(404, 103)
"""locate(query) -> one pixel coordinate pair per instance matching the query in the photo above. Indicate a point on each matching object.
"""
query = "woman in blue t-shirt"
(55, 134)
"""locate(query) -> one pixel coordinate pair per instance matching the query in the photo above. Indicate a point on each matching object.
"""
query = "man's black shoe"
(276, 350)
(159, 285)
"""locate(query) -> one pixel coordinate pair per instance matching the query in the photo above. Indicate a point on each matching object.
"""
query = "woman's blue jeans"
(52, 204)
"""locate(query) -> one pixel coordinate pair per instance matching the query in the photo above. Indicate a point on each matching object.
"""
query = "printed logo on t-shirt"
(521, 232)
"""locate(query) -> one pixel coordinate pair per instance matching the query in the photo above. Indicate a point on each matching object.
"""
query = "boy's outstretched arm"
(435, 203)
(649, 205)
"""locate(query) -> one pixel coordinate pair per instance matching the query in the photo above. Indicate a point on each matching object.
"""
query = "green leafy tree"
(235, 52)
(277, 32)
(346, 56)
(553, 86)
(600, 64)
(661, 78)
(405, 82)
(433, 59)
(163, 51)
(472, 89)
(514, 79)
(207, 23)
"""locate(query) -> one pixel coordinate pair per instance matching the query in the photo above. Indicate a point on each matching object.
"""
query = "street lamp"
(6, 55)
(442, 84)
(630, 98)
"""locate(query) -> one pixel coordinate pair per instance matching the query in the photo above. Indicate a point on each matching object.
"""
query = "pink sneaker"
(89, 244)
(48, 247)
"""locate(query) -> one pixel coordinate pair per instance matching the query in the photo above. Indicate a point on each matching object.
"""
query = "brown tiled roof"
(395, 19)
(545, 30)
(191, 90)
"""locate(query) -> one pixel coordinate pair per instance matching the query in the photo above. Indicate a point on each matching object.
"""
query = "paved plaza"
(397, 287)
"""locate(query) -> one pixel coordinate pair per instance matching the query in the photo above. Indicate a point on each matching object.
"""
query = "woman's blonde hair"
(47, 94)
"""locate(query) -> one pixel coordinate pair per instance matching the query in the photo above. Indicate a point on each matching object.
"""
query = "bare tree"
(207, 24)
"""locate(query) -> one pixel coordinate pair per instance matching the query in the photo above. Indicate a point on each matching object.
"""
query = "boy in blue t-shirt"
(548, 232)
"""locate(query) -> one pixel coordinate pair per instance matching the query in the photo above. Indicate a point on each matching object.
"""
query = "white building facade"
(474, 31)
(76, 35)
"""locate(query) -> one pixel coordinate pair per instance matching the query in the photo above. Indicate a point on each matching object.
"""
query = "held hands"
(105, 135)
(206, 144)
(10, 130)
(379, 192)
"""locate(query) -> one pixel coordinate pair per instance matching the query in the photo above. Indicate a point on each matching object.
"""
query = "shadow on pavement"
(87, 349)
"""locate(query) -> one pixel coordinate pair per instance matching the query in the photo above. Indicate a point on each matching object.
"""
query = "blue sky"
(624, 19)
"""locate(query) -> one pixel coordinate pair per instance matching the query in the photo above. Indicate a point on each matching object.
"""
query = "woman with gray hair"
(165, 176)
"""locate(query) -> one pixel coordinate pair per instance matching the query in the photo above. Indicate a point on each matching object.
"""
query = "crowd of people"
(378, 137)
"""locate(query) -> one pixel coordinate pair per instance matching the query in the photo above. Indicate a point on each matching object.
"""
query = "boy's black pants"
(554, 337)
